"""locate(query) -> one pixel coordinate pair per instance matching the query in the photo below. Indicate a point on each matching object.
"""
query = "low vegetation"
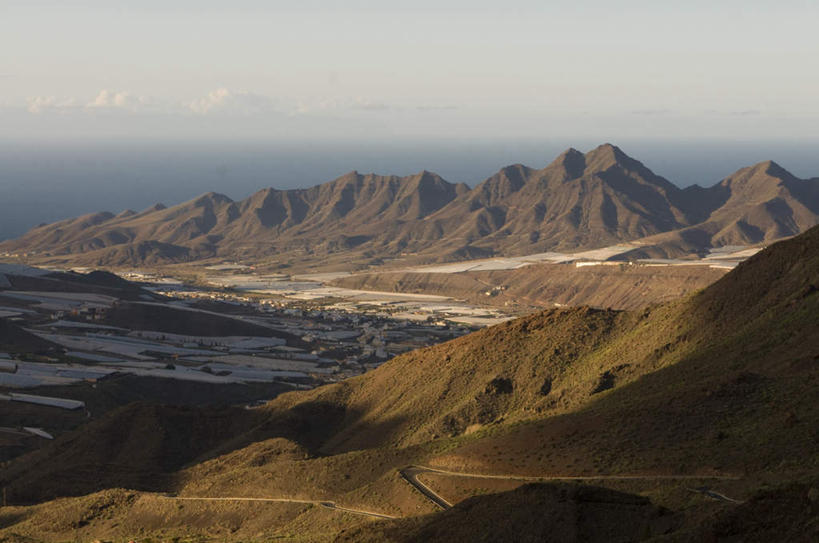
(719, 388)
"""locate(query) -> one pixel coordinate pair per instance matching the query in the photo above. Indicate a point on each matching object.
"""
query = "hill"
(16, 339)
(715, 390)
(556, 361)
(570, 513)
(546, 285)
(579, 201)
(185, 321)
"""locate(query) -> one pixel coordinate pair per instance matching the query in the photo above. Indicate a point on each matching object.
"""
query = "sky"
(359, 70)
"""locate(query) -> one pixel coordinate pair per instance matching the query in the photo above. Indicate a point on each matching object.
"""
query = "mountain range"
(579, 201)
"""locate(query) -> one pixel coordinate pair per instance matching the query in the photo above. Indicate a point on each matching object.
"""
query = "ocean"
(49, 181)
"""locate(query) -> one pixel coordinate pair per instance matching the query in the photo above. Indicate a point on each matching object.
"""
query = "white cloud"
(227, 102)
(367, 105)
(43, 104)
(344, 104)
(119, 100)
(105, 99)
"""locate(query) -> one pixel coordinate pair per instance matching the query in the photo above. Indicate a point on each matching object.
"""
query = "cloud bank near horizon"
(245, 114)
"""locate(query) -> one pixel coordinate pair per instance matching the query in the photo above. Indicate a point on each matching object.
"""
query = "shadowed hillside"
(15, 339)
(719, 388)
(569, 513)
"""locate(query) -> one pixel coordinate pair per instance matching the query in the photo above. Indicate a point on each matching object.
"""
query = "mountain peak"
(774, 169)
(570, 152)
(608, 152)
(426, 175)
(580, 200)
(353, 176)
(610, 147)
(607, 156)
(212, 198)
(573, 161)
(159, 206)
(759, 175)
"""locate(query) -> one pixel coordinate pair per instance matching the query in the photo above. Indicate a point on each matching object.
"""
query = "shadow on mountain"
(95, 282)
(143, 446)
(732, 389)
(557, 512)
(172, 320)
(15, 339)
(786, 513)
(721, 383)
(579, 201)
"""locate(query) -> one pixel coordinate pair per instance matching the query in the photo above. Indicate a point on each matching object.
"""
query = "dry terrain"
(622, 286)
(695, 419)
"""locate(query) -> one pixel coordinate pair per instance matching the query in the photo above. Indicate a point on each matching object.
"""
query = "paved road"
(327, 504)
(410, 474)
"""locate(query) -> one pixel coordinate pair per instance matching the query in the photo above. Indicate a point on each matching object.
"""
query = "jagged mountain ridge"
(759, 203)
(578, 201)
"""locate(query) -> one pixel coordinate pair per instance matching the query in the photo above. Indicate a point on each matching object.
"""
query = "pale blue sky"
(358, 69)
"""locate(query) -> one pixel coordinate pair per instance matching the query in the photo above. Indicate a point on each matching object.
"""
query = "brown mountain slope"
(578, 201)
(179, 232)
(566, 513)
(722, 383)
(760, 318)
(352, 210)
(134, 447)
(557, 361)
(561, 513)
(745, 404)
(545, 285)
(758, 204)
(344, 213)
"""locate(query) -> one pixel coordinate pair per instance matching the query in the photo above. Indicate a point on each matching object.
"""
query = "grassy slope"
(133, 447)
(114, 392)
(722, 382)
(743, 378)
(752, 329)
(569, 513)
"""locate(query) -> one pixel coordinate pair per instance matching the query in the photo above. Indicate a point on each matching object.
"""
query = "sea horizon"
(48, 181)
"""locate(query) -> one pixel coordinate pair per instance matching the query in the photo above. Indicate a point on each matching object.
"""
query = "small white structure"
(39, 432)
(62, 403)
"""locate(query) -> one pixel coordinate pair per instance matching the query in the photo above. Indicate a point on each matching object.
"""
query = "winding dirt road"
(411, 473)
(322, 503)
